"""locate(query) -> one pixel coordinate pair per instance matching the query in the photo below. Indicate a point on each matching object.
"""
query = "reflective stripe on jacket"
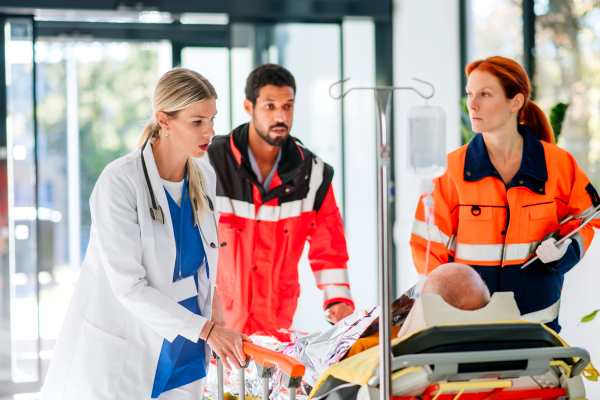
(266, 232)
(495, 229)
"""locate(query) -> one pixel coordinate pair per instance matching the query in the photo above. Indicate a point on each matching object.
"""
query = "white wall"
(426, 46)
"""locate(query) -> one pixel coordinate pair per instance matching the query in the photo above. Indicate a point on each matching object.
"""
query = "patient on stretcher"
(453, 293)
(453, 313)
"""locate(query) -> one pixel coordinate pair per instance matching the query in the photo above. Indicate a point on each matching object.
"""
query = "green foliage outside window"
(114, 94)
(466, 131)
(557, 117)
(114, 103)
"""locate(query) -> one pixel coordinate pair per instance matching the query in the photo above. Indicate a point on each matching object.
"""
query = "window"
(567, 59)
(496, 29)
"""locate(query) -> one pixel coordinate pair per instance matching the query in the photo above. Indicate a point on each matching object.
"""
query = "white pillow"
(431, 310)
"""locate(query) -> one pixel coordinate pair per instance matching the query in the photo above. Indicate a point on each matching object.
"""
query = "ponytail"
(150, 132)
(178, 89)
(534, 118)
(514, 80)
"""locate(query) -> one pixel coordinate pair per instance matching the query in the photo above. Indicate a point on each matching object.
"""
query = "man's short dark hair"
(268, 74)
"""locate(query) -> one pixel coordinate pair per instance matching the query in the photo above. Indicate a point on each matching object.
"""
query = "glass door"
(19, 333)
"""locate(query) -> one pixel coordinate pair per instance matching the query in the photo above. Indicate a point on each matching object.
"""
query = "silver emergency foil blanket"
(319, 351)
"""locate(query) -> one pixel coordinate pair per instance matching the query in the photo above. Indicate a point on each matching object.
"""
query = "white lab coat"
(121, 309)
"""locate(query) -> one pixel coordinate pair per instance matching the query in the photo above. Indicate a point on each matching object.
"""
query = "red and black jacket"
(266, 231)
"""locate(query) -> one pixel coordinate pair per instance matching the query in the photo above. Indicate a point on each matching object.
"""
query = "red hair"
(514, 80)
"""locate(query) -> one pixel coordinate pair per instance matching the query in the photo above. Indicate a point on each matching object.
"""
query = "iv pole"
(383, 97)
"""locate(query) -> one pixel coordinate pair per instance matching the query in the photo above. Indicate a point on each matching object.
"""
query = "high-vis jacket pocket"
(539, 211)
(475, 212)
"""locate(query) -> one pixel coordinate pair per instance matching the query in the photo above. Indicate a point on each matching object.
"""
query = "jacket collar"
(532, 174)
(289, 168)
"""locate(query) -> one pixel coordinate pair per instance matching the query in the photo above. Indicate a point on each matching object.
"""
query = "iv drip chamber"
(427, 142)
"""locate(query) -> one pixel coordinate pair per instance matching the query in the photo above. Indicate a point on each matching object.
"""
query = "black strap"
(213, 327)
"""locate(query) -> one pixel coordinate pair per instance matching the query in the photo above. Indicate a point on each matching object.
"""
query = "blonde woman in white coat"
(146, 291)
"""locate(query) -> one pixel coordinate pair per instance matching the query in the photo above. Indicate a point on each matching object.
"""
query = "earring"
(167, 133)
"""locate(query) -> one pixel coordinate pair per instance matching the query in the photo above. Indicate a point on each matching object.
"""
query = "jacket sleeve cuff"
(336, 294)
(331, 302)
(192, 329)
(569, 260)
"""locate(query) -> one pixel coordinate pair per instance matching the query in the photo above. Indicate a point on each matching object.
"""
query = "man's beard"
(277, 141)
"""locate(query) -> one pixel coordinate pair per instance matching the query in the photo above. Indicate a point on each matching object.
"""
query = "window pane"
(360, 161)
(496, 29)
(312, 53)
(567, 60)
(241, 66)
(568, 71)
(93, 99)
(19, 251)
(54, 274)
(213, 64)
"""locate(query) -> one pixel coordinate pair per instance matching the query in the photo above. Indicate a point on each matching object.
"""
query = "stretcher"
(266, 361)
(492, 361)
(469, 362)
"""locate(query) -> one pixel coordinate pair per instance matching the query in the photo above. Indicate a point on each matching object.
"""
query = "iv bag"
(427, 142)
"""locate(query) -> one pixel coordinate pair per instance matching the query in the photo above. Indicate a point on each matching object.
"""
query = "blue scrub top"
(182, 361)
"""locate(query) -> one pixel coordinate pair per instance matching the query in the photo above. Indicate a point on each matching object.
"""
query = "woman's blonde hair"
(178, 89)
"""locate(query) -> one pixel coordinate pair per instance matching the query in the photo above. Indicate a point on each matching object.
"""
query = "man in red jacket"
(273, 195)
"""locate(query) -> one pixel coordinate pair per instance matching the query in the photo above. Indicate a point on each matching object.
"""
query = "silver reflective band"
(276, 213)
(543, 316)
(286, 210)
(479, 252)
(337, 276)
(452, 244)
(495, 252)
(237, 207)
(419, 228)
(519, 251)
(336, 291)
(577, 237)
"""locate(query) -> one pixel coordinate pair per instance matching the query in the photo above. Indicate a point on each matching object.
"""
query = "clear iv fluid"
(427, 142)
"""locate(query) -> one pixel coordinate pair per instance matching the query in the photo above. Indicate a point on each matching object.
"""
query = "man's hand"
(338, 312)
(217, 316)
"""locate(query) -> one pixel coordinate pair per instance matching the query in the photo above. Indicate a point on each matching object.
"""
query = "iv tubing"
(429, 222)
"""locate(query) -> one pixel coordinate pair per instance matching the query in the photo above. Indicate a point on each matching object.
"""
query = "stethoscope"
(157, 213)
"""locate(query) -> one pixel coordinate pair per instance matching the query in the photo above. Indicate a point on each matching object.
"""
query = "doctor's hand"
(548, 251)
(227, 343)
(218, 316)
(338, 312)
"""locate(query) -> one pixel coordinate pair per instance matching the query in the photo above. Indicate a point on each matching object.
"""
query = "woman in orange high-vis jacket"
(504, 195)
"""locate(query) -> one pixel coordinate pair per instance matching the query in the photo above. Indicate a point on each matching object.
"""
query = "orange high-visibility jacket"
(266, 232)
(495, 229)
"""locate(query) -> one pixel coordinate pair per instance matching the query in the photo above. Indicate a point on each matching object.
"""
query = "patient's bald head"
(459, 285)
